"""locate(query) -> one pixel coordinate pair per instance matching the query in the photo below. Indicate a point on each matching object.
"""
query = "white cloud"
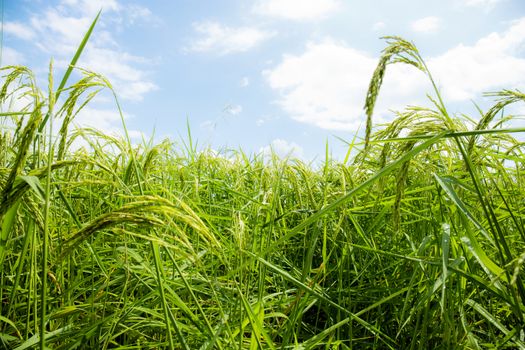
(208, 125)
(11, 57)
(108, 120)
(493, 62)
(136, 13)
(222, 39)
(19, 30)
(18, 99)
(233, 109)
(378, 26)
(245, 81)
(265, 119)
(326, 85)
(59, 30)
(91, 7)
(487, 4)
(129, 82)
(298, 10)
(236, 109)
(112, 63)
(136, 90)
(426, 24)
(282, 148)
(101, 119)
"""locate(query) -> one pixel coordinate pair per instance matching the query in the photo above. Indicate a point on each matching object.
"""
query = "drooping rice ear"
(397, 51)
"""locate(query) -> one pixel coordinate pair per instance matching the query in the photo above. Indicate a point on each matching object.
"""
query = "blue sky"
(290, 74)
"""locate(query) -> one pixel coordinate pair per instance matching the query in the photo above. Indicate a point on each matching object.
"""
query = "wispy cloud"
(216, 37)
(208, 125)
(122, 69)
(136, 13)
(19, 30)
(429, 24)
(326, 84)
(486, 4)
(282, 148)
(245, 82)
(378, 26)
(266, 118)
(297, 10)
(90, 7)
(58, 30)
(107, 120)
(12, 57)
(233, 109)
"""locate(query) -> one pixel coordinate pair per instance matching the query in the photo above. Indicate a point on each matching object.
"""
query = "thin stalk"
(71, 66)
(153, 245)
(47, 204)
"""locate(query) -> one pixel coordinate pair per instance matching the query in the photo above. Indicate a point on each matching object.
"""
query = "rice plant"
(417, 242)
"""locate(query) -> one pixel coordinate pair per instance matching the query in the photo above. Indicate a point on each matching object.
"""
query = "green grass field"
(415, 241)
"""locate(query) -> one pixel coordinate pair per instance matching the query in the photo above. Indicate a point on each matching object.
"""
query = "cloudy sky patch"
(297, 70)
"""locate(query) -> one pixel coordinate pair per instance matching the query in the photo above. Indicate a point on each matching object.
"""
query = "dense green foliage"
(416, 242)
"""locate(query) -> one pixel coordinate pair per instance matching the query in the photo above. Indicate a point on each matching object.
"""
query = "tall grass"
(417, 242)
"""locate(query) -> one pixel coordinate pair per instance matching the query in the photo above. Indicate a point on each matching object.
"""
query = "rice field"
(416, 240)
